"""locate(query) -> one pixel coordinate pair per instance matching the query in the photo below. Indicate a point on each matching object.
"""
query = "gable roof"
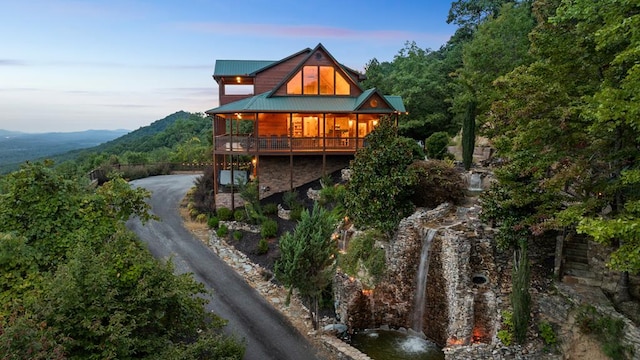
(309, 104)
(302, 63)
(248, 67)
(239, 67)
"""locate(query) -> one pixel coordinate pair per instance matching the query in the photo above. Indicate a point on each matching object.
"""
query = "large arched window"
(318, 80)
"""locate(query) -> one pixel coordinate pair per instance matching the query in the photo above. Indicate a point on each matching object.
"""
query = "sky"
(73, 65)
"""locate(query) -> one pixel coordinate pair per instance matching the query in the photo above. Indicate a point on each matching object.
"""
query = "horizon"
(74, 66)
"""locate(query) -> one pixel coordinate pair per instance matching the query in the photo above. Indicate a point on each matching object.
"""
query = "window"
(233, 89)
(294, 87)
(310, 80)
(314, 80)
(327, 80)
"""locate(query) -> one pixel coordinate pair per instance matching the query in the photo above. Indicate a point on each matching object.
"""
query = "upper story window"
(318, 80)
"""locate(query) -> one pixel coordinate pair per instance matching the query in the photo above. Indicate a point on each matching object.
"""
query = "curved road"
(267, 333)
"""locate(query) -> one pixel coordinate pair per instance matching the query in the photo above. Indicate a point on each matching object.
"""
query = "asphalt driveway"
(267, 333)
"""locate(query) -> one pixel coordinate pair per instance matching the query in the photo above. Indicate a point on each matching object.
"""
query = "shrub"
(263, 246)
(213, 222)
(547, 333)
(290, 199)
(269, 229)
(238, 215)
(203, 198)
(222, 231)
(237, 235)
(296, 213)
(437, 183)
(363, 252)
(224, 214)
(436, 145)
(506, 333)
(201, 218)
(609, 331)
(270, 209)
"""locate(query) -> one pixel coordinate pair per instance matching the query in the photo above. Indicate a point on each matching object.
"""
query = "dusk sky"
(122, 64)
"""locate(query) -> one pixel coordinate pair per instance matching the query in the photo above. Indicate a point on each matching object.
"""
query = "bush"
(201, 218)
(436, 145)
(213, 222)
(224, 214)
(222, 231)
(263, 246)
(270, 209)
(362, 252)
(547, 333)
(290, 200)
(237, 235)
(437, 183)
(269, 229)
(609, 331)
(506, 333)
(238, 215)
(203, 198)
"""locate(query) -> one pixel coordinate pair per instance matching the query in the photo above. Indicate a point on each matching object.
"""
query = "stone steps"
(576, 264)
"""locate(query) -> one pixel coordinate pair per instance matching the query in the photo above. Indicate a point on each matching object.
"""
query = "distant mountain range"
(18, 147)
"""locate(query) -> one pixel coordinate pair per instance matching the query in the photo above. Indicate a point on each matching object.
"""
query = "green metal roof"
(239, 67)
(266, 103)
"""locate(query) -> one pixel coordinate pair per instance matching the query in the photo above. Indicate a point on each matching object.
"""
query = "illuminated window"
(314, 80)
(310, 80)
(342, 86)
(327, 80)
(294, 87)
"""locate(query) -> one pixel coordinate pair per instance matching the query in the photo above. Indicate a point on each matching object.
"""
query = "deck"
(237, 144)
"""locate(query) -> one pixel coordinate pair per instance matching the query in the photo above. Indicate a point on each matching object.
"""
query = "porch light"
(253, 161)
(375, 122)
(238, 79)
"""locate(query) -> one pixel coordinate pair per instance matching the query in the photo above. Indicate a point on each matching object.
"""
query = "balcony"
(251, 145)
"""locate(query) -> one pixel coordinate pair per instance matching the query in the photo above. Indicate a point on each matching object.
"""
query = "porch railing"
(252, 144)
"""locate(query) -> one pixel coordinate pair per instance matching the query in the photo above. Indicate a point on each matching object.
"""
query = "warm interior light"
(253, 161)
(367, 292)
(238, 79)
(454, 341)
(375, 122)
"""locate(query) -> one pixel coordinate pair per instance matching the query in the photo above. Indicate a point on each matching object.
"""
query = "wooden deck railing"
(251, 144)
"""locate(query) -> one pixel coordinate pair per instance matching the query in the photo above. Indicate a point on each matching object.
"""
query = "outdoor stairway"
(576, 268)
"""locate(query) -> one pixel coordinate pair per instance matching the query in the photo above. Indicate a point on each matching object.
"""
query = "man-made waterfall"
(475, 182)
(421, 282)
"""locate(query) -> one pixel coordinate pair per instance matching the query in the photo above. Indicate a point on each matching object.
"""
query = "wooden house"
(278, 116)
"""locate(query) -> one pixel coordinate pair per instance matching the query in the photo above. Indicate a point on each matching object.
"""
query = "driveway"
(267, 333)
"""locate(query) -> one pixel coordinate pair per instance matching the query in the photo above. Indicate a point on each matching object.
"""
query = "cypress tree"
(468, 134)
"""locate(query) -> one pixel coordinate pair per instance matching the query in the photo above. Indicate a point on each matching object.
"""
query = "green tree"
(77, 284)
(379, 192)
(308, 257)
(499, 45)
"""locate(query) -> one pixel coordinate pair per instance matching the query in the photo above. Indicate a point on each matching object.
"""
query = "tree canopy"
(77, 285)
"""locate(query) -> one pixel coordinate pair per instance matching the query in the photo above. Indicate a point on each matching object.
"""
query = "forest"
(551, 85)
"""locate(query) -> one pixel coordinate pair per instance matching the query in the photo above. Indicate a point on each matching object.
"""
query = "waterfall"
(475, 182)
(421, 282)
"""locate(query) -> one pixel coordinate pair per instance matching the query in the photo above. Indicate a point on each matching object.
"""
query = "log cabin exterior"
(305, 105)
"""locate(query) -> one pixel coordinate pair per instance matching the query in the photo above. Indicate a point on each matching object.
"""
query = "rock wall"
(461, 296)
(275, 177)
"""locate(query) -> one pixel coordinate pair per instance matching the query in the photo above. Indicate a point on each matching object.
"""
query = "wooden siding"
(272, 124)
(270, 78)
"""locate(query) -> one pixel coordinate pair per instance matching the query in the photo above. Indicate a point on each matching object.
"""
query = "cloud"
(291, 31)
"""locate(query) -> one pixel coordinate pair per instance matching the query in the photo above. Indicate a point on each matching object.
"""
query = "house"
(293, 120)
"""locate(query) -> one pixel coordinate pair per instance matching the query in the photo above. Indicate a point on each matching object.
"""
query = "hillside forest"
(551, 85)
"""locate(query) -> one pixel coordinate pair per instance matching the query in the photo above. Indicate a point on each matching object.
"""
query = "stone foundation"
(274, 171)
